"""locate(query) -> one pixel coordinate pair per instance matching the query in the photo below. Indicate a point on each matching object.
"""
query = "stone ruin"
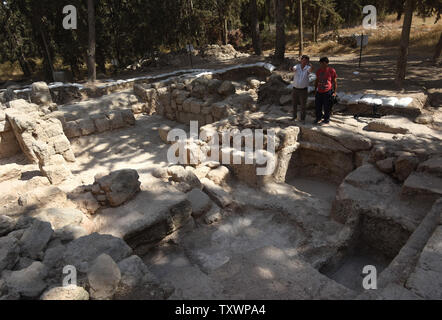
(87, 184)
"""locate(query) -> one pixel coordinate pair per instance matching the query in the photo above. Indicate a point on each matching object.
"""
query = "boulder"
(70, 292)
(40, 93)
(424, 119)
(9, 252)
(216, 193)
(272, 91)
(219, 175)
(128, 117)
(7, 224)
(387, 125)
(56, 173)
(86, 202)
(432, 166)
(419, 183)
(27, 282)
(9, 172)
(82, 251)
(200, 202)
(405, 165)
(119, 186)
(179, 174)
(214, 215)
(163, 131)
(86, 126)
(70, 232)
(253, 83)
(104, 277)
(386, 165)
(138, 283)
(72, 129)
(59, 217)
(227, 88)
(35, 238)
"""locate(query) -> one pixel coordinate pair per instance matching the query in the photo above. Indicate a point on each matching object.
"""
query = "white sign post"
(190, 48)
(362, 41)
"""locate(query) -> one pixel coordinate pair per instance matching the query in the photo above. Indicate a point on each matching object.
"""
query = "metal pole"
(360, 53)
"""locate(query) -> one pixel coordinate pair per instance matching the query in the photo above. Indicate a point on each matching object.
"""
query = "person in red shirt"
(325, 86)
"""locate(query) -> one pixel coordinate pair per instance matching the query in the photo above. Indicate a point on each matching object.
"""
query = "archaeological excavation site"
(87, 187)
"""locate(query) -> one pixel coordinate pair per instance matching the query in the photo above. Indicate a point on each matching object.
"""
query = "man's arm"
(335, 86)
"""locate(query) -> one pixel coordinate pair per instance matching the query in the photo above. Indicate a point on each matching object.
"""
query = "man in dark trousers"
(326, 85)
(300, 86)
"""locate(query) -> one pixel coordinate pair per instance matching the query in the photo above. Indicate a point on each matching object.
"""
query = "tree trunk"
(256, 40)
(317, 23)
(280, 30)
(405, 41)
(226, 36)
(438, 50)
(91, 68)
(301, 31)
(49, 67)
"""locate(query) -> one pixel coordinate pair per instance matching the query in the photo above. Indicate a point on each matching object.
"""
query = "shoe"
(316, 121)
(326, 121)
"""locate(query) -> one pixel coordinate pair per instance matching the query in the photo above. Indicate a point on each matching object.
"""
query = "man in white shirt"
(300, 86)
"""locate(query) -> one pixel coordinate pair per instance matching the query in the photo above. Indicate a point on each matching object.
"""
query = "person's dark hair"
(324, 59)
(306, 57)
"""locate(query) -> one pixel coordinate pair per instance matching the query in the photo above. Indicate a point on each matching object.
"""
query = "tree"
(254, 26)
(301, 31)
(405, 41)
(438, 49)
(92, 70)
(280, 30)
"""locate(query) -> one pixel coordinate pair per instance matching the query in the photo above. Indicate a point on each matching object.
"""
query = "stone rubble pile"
(35, 253)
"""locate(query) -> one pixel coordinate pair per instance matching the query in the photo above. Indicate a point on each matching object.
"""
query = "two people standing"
(326, 85)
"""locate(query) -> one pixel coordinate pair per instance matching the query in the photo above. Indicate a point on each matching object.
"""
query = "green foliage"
(127, 30)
